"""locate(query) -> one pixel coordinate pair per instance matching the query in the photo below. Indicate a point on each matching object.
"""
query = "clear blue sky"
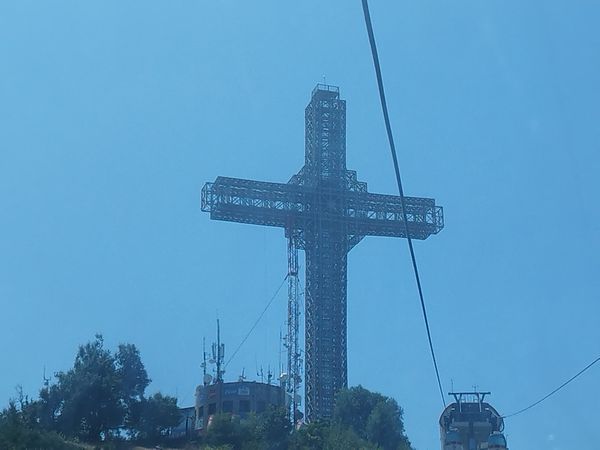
(113, 114)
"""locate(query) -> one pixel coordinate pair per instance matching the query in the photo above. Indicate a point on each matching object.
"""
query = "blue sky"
(113, 114)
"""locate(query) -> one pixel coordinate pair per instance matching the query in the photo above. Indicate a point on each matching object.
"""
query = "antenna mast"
(204, 357)
(206, 379)
(218, 355)
(293, 347)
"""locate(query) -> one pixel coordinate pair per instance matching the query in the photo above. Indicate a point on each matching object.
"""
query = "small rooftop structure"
(238, 398)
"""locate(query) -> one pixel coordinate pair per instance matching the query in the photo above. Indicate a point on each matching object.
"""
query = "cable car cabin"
(471, 424)
(497, 441)
(452, 441)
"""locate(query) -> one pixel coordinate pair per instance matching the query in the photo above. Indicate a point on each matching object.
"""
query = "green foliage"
(362, 420)
(100, 397)
(267, 431)
(373, 417)
(132, 378)
(343, 438)
(353, 407)
(90, 394)
(311, 436)
(18, 432)
(156, 414)
(103, 395)
(385, 427)
(328, 435)
(226, 430)
(87, 401)
(274, 428)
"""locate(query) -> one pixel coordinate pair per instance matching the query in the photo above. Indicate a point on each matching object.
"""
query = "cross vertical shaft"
(326, 248)
(325, 326)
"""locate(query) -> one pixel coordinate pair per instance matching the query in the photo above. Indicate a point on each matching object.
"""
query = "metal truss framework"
(292, 341)
(327, 211)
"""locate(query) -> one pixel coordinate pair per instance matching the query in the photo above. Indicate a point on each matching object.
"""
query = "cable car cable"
(390, 136)
(554, 391)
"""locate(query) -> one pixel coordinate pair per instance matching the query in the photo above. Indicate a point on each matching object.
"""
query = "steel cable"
(554, 391)
(390, 136)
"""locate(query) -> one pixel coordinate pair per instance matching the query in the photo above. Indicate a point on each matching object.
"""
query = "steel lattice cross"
(328, 211)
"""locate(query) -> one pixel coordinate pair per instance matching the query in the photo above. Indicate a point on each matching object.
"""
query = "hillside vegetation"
(100, 403)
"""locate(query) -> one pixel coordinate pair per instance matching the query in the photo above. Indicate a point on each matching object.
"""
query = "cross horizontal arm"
(296, 206)
(381, 215)
(255, 202)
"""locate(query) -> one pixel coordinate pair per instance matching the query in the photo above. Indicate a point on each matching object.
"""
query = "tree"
(385, 427)
(269, 430)
(157, 414)
(131, 372)
(343, 438)
(353, 407)
(372, 416)
(328, 435)
(226, 430)
(274, 428)
(89, 394)
(102, 395)
(18, 432)
(133, 381)
(362, 420)
(47, 409)
(311, 436)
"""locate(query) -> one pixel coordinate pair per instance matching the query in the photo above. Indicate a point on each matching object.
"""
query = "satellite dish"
(207, 378)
